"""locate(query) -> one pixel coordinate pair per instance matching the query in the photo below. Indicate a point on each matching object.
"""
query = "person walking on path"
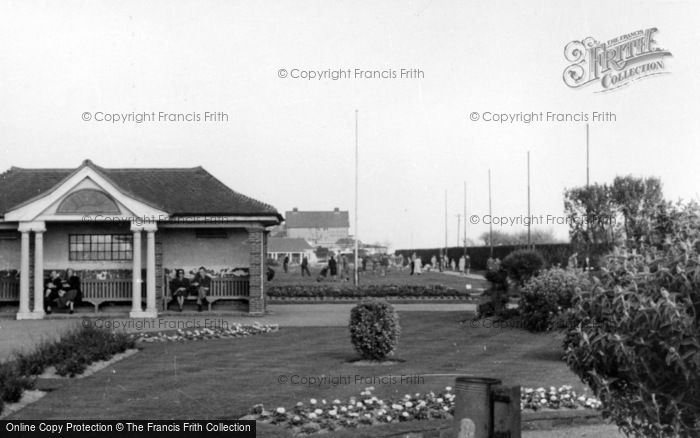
(305, 266)
(467, 263)
(462, 265)
(453, 264)
(419, 265)
(285, 264)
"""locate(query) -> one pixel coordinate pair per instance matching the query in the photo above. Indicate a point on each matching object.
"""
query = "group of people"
(304, 266)
(62, 292)
(181, 287)
(416, 266)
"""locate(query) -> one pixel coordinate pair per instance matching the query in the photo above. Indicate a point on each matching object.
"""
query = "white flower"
(359, 404)
(439, 400)
(408, 404)
(323, 401)
(388, 418)
(336, 402)
(312, 401)
(396, 407)
(318, 411)
(296, 419)
(343, 409)
(405, 414)
(448, 388)
(445, 408)
(280, 410)
(312, 415)
(333, 412)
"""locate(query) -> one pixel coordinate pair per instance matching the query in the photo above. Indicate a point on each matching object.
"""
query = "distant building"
(294, 248)
(375, 249)
(319, 228)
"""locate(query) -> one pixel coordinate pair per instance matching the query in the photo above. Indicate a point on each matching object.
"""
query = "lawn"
(393, 277)
(222, 379)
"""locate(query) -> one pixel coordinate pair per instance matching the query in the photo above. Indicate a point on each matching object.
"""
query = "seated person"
(202, 284)
(179, 286)
(73, 283)
(58, 292)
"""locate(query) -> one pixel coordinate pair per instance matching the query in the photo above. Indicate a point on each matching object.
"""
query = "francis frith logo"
(614, 63)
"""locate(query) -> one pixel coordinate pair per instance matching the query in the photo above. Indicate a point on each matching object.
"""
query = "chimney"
(295, 210)
(336, 210)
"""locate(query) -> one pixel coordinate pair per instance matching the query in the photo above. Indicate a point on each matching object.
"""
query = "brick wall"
(258, 248)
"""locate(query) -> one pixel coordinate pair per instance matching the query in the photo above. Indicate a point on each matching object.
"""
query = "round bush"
(522, 264)
(374, 329)
(549, 294)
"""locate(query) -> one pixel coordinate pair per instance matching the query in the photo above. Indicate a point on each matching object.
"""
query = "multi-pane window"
(100, 246)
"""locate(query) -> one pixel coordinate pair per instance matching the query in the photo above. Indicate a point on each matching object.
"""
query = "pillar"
(39, 272)
(24, 277)
(256, 245)
(151, 273)
(136, 310)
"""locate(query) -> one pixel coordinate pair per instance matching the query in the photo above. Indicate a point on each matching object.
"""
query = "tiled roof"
(178, 191)
(287, 244)
(317, 219)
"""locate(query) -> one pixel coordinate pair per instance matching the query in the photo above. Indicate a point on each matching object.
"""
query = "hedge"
(368, 291)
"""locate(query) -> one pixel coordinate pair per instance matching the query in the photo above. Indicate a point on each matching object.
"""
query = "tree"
(592, 216)
(637, 200)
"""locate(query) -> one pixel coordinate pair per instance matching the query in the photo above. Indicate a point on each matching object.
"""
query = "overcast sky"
(290, 142)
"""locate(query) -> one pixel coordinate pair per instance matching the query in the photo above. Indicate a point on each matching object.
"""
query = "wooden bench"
(222, 288)
(9, 290)
(97, 292)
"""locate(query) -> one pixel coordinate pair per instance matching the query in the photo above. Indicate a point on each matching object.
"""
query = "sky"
(290, 141)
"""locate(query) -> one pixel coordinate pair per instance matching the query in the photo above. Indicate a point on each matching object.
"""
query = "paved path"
(15, 335)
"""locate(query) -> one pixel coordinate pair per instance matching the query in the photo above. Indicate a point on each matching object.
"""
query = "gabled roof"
(317, 219)
(287, 244)
(178, 191)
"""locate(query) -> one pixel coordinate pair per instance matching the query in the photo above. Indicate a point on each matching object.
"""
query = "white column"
(39, 272)
(24, 277)
(151, 310)
(136, 310)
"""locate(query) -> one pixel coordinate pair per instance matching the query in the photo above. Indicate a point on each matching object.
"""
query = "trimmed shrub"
(12, 383)
(374, 329)
(522, 264)
(365, 291)
(636, 341)
(545, 297)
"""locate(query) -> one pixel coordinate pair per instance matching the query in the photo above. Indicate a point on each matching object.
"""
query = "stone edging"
(394, 299)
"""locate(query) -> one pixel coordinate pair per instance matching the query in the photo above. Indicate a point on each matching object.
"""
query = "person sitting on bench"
(73, 283)
(202, 284)
(179, 287)
(58, 292)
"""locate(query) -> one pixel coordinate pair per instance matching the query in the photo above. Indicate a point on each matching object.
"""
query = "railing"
(9, 290)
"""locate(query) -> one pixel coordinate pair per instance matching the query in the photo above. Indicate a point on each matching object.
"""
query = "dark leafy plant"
(636, 342)
(12, 383)
(374, 329)
(545, 297)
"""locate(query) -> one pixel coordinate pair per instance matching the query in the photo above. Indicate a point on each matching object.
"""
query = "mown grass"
(223, 379)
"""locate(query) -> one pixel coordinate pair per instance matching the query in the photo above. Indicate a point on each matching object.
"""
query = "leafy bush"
(374, 329)
(637, 340)
(522, 264)
(549, 294)
(76, 348)
(12, 383)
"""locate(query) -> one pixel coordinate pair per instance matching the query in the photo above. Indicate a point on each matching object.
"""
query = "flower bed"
(555, 398)
(194, 334)
(366, 291)
(369, 410)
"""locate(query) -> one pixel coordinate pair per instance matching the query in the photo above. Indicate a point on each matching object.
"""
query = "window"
(98, 247)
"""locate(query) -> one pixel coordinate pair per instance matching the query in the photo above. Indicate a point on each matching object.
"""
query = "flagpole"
(357, 234)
